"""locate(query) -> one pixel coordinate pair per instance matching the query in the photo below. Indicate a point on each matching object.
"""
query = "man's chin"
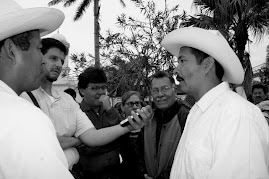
(52, 79)
(162, 106)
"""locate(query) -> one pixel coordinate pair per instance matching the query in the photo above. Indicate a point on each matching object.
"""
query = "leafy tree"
(234, 18)
(136, 53)
(80, 11)
(81, 62)
(263, 74)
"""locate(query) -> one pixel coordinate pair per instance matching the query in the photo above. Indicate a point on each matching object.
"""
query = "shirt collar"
(4, 87)
(54, 92)
(212, 95)
(84, 106)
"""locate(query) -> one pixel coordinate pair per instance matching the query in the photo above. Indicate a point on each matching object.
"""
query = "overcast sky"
(80, 33)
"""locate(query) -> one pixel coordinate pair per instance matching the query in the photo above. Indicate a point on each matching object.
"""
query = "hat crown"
(61, 38)
(8, 6)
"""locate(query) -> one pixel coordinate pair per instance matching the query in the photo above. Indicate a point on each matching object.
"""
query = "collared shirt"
(29, 147)
(225, 137)
(66, 116)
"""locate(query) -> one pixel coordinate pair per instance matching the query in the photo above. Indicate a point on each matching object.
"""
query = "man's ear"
(122, 107)
(81, 92)
(208, 63)
(10, 49)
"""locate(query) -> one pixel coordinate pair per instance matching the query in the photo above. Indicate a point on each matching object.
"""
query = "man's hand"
(105, 100)
(138, 122)
(67, 142)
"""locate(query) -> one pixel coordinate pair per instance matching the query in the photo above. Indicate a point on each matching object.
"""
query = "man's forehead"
(183, 51)
(258, 89)
(159, 82)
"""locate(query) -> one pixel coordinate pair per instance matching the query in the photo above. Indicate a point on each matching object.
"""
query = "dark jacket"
(159, 139)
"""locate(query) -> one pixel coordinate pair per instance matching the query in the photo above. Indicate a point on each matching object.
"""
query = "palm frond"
(54, 2)
(69, 3)
(82, 9)
(122, 3)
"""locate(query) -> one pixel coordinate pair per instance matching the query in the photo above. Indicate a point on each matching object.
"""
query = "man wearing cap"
(29, 147)
(72, 125)
(225, 136)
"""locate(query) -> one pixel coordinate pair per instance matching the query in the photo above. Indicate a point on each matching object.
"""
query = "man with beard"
(160, 136)
(72, 125)
(225, 135)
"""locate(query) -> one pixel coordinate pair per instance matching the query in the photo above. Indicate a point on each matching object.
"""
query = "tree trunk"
(241, 41)
(96, 33)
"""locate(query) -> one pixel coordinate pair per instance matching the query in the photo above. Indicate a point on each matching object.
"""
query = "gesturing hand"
(105, 100)
(138, 122)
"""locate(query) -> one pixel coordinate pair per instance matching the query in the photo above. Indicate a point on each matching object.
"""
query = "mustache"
(56, 69)
(179, 78)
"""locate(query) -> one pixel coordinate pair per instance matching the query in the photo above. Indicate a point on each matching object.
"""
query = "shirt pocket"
(67, 121)
(198, 160)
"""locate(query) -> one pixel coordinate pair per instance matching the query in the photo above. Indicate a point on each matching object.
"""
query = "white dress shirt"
(225, 137)
(29, 147)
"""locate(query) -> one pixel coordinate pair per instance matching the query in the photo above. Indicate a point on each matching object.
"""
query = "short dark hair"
(91, 75)
(128, 94)
(162, 74)
(200, 56)
(21, 40)
(71, 92)
(259, 86)
(48, 43)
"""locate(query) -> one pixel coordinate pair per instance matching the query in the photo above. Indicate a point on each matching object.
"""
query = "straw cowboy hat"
(15, 20)
(210, 42)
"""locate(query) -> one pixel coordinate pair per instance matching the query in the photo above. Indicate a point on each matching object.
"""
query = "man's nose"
(59, 63)
(176, 70)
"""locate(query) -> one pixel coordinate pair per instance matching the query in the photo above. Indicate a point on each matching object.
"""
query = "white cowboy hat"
(210, 42)
(61, 38)
(15, 20)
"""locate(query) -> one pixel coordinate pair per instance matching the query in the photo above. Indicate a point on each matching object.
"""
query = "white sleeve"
(82, 121)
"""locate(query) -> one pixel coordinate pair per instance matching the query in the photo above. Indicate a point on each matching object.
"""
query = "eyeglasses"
(97, 88)
(131, 104)
(163, 89)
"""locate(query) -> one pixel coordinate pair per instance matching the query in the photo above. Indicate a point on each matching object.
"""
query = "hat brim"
(210, 43)
(46, 20)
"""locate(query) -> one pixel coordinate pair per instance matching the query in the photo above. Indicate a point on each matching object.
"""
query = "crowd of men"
(45, 133)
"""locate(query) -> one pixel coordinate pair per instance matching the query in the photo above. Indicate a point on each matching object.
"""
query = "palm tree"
(80, 11)
(234, 18)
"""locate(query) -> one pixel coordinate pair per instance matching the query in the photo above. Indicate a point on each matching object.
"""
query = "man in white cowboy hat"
(29, 147)
(225, 135)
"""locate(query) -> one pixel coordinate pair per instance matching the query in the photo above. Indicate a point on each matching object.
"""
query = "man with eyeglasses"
(160, 136)
(72, 125)
(99, 162)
